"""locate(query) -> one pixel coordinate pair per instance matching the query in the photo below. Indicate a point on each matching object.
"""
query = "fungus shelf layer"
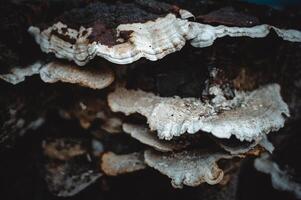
(139, 32)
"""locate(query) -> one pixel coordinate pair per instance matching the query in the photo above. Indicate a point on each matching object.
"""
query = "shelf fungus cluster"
(188, 115)
(125, 39)
(248, 117)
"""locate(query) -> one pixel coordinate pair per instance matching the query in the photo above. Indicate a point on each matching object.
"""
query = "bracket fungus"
(145, 136)
(152, 37)
(119, 37)
(113, 165)
(188, 167)
(236, 147)
(95, 78)
(247, 116)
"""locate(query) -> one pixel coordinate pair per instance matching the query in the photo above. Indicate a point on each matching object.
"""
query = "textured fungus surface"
(187, 167)
(139, 43)
(95, 78)
(236, 147)
(126, 38)
(17, 75)
(113, 164)
(63, 138)
(248, 116)
(145, 136)
(120, 32)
